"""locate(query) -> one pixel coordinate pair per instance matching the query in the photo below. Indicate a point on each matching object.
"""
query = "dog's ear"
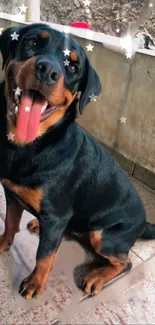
(90, 85)
(7, 44)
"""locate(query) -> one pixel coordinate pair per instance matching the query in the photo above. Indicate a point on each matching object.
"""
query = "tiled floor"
(127, 300)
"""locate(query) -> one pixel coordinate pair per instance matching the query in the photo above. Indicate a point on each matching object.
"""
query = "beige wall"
(127, 90)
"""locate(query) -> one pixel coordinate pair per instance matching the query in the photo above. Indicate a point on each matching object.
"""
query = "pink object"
(80, 24)
(28, 117)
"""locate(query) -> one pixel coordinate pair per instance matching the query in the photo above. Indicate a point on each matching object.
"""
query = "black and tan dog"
(53, 168)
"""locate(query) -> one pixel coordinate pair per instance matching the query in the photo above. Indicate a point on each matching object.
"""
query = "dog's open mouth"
(28, 108)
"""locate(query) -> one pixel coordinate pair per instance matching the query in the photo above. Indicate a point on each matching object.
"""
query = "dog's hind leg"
(13, 216)
(95, 279)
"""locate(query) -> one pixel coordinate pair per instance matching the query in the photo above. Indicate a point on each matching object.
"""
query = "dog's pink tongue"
(28, 118)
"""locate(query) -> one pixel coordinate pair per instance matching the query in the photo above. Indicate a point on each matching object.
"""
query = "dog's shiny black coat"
(84, 188)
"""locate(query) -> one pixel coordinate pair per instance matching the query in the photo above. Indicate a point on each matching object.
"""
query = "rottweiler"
(52, 167)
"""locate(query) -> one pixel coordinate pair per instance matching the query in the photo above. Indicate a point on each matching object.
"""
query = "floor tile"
(144, 248)
(135, 259)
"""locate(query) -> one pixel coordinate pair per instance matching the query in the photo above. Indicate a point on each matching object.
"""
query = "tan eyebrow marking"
(44, 34)
(74, 56)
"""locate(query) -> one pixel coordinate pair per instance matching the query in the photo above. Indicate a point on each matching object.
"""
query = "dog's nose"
(47, 71)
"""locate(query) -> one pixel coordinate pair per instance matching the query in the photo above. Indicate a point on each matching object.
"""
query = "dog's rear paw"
(4, 245)
(33, 226)
(93, 281)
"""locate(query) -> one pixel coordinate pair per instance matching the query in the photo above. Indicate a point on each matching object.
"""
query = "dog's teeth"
(44, 107)
(16, 109)
(17, 94)
(16, 97)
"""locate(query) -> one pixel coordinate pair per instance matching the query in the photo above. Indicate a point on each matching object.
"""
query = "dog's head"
(42, 78)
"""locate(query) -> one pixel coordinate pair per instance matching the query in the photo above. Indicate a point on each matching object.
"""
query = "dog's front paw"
(32, 287)
(33, 226)
(4, 245)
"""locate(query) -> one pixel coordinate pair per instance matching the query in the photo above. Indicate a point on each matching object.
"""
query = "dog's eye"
(30, 43)
(33, 42)
(72, 68)
(30, 47)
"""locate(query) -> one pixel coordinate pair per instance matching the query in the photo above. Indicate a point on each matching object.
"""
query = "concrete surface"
(127, 90)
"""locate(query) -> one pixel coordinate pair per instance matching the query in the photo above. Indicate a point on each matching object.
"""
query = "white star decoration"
(1, 29)
(129, 46)
(128, 55)
(17, 91)
(66, 52)
(150, 4)
(87, 3)
(30, 53)
(23, 8)
(117, 30)
(27, 109)
(14, 36)
(89, 47)
(10, 136)
(66, 63)
(93, 97)
(123, 119)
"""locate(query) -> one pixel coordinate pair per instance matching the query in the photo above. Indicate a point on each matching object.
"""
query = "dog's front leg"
(51, 231)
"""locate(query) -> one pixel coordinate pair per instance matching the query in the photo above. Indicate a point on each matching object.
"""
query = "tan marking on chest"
(31, 196)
